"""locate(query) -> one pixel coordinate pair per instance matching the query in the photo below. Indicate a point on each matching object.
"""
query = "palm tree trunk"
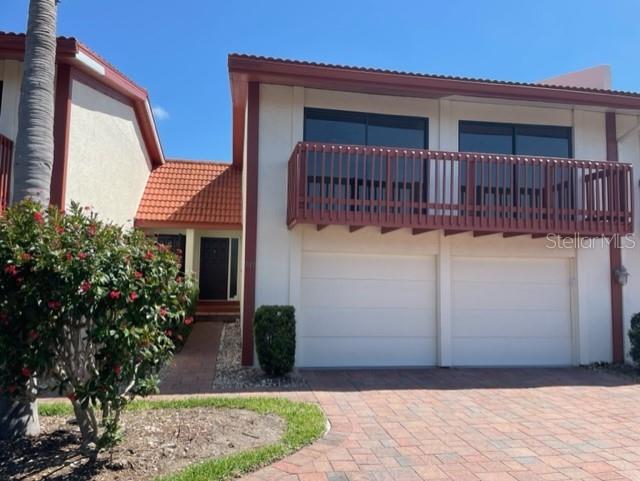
(33, 160)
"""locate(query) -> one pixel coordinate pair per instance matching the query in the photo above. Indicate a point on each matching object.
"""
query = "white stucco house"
(411, 219)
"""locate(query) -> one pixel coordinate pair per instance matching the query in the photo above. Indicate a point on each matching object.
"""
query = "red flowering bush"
(88, 309)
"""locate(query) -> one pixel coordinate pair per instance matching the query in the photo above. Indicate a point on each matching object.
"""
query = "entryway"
(218, 273)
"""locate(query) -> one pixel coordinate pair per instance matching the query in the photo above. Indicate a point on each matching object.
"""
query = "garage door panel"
(366, 351)
(507, 351)
(372, 322)
(321, 265)
(370, 293)
(516, 295)
(511, 269)
(510, 323)
(366, 309)
(511, 311)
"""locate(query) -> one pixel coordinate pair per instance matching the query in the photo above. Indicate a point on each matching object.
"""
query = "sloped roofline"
(72, 52)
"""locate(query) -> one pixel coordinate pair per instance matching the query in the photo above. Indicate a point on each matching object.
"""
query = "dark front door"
(214, 268)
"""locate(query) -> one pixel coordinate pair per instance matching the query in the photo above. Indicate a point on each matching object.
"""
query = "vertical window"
(233, 269)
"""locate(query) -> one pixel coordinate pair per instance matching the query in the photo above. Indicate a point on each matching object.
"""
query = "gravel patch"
(156, 442)
(232, 377)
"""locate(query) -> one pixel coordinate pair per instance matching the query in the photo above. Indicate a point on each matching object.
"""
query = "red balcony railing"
(485, 193)
(6, 152)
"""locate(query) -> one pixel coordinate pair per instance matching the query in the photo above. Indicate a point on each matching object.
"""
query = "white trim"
(90, 63)
(443, 302)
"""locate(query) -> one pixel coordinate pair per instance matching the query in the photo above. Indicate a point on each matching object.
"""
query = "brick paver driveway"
(470, 424)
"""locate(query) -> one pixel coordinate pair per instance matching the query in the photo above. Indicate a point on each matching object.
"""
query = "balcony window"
(363, 175)
(359, 128)
(522, 185)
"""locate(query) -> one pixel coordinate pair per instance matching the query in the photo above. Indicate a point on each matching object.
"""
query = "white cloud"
(160, 113)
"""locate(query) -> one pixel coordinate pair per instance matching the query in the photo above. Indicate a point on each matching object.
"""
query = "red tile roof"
(189, 193)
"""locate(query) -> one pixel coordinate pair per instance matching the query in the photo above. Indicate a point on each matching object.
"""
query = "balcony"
(6, 151)
(424, 190)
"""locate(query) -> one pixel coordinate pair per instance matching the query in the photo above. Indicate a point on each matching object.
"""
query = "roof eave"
(71, 51)
(330, 77)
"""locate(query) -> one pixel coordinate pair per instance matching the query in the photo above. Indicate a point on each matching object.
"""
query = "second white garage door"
(367, 310)
(511, 311)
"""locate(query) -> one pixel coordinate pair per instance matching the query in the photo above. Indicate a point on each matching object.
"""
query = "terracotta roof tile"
(205, 194)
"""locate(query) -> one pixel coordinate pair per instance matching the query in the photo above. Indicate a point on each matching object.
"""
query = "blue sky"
(177, 48)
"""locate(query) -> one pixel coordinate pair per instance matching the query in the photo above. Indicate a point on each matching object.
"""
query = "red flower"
(138, 275)
(168, 333)
(163, 312)
(26, 372)
(54, 305)
(91, 230)
(11, 269)
(82, 255)
(59, 229)
(33, 335)
(85, 286)
(117, 369)
(148, 255)
(69, 256)
(133, 296)
(188, 321)
(114, 295)
(25, 257)
(37, 216)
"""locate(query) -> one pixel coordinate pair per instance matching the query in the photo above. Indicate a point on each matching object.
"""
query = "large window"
(525, 185)
(357, 128)
(515, 139)
(363, 176)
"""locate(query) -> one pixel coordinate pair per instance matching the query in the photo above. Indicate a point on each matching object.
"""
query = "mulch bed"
(232, 377)
(156, 442)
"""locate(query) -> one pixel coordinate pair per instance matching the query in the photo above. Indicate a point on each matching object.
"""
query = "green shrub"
(634, 337)
(275, 333)
(87, 309)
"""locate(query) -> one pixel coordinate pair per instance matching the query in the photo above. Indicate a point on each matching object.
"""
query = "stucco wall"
(108, 165)
(280, 251)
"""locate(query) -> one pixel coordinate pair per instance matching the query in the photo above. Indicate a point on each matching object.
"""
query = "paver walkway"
(193, 369)
(469, 424)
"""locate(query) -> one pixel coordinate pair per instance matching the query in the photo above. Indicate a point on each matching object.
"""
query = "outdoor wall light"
(622, 275)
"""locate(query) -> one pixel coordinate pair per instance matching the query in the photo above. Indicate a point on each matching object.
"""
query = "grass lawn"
(304, 424)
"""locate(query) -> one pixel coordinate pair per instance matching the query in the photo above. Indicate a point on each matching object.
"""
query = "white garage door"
(366, 310)
(511, 312)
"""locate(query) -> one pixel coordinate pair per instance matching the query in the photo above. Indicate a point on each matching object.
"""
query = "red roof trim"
(12, 47)
(369, 80)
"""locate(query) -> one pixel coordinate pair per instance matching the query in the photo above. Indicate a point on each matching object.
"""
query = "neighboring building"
(369, 208)
(105, 138)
